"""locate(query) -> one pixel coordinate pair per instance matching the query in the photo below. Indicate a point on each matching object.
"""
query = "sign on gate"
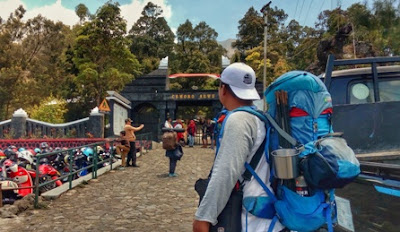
(104, 106)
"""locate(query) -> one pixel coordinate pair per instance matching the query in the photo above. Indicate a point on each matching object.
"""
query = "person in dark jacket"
(174, 156)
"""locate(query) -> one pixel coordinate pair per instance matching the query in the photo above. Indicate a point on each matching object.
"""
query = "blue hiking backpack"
(301, 104)
(291, 209)
(307, 102)
(307, 115)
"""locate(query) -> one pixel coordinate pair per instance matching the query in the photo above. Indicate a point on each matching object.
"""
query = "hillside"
(227, 44)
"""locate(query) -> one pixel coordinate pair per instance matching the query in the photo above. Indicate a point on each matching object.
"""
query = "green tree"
(82, 12)
(185, 37)
(50, 109)
(196, 51)
(282, 41)
(11, 33)
(151, 37)
(205, 39)
(387, 17)
(29, 61)
(251, 31)
(102, 56)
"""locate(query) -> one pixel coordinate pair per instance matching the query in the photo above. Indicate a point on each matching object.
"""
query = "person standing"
(210, 132)
(174, 156)
(185, 124)
(191, 131)
(123, 148)
(243, 134)
(168, 123)
(203, 123)
(130, 135)
(180, 137)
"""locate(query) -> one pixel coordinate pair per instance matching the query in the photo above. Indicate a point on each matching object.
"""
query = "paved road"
(135, 199)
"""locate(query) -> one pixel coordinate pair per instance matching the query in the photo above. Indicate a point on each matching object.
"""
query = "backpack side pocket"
(262, 206)
(301, 213)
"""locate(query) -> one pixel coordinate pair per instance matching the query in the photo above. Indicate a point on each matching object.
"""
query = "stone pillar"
(216, 107)
(18, 123)
(96, 123)
(120, 110)
(171, 106)
(163, 116)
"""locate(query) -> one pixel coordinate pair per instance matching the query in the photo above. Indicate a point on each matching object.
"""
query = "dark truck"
(366, 107)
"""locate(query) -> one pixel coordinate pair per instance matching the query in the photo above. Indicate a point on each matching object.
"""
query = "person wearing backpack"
(240, 138)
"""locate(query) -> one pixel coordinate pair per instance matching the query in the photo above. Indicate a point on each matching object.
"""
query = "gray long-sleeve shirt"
(240, 133)
(243, 134)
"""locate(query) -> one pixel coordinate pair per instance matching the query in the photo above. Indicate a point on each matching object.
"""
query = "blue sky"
(222, 15)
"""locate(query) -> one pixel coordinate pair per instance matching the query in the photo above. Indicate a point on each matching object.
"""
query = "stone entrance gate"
(152, 101)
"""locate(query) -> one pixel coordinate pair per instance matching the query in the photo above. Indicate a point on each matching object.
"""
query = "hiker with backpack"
(241, 136)
(308, 161)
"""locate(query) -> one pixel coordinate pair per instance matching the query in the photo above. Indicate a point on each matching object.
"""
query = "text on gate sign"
(193, 96)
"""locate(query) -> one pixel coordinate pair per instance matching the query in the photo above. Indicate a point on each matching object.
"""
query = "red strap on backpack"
(297, 112)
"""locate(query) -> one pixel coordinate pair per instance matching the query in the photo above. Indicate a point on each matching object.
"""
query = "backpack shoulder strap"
(283, 133)
(267, 119)
(254, 161)
(260, 151)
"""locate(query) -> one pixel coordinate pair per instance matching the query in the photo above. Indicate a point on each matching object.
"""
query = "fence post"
(96, 123)
(111, 154)
(18, 123)
(1, 196)
(71, 159)
(95, 162)
(141, 145)
(37, 182)
(147, 144)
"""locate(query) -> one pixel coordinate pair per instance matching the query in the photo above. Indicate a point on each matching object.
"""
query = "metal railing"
(5, 127)
(76, 128)
(70, 152)
(143, 143)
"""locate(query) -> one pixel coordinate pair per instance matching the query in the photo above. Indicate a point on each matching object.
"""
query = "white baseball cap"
(242, 79)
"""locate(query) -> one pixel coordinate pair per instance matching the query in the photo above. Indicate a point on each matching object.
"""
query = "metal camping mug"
(286, 163)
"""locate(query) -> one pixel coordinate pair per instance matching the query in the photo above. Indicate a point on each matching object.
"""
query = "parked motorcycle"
(12, 172)
(10, 193)
(61, 163)
(46, 174)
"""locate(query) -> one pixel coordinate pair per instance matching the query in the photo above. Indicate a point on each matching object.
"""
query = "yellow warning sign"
(104, 106)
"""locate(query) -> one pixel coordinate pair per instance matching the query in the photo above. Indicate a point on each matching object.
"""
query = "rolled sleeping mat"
(165, 129)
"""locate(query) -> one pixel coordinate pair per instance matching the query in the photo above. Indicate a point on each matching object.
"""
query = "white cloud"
(174, 29)
(132, 12)
(55, 12)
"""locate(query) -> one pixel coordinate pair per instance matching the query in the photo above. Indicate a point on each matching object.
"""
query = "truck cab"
(366, 101)
(366, 107)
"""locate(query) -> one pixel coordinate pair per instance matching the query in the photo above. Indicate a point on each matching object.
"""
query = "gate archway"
(155, 100)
